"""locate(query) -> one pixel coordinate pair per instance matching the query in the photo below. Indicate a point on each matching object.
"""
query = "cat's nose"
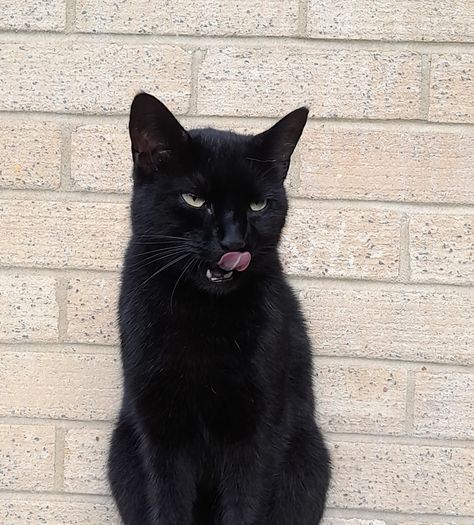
(231, 232)
(232, 239)
(232, 243)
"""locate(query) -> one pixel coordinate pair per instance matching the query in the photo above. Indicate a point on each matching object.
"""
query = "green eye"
(258, 205)
(193, 200)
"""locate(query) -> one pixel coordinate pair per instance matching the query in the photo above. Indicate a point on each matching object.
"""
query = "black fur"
(217, 422)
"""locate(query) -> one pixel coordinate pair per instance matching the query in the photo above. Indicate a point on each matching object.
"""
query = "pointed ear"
(278, 143)
(154, 131)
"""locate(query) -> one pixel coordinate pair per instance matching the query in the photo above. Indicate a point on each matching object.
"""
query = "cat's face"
(208, 206)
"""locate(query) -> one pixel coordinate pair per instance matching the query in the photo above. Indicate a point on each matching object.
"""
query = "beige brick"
(63, 234)
(442, 248)
(334, 83)
(378, 323)
(402, 478)
(92, 310)
(28, 512)
(28, 308)
(101, 159)
(387, 165)
(341, 243)
(31, 156)
(444, 405)
(34, 15)
(361, 399)
(385, 20)
(26, 457)
(432, 521)
(61, 386)
(452, 88)
(85, 459)
(351, 521)
(101, 77)
(207, 17)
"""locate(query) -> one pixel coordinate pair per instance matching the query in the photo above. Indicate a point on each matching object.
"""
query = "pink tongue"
(234, 261)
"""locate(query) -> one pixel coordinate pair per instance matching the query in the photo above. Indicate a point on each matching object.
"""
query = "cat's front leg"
(244, 487)
(170, 486)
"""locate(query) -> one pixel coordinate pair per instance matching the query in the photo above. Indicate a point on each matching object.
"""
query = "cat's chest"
(206, 385)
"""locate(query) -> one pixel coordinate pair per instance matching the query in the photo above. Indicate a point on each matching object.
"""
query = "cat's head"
(208, 205)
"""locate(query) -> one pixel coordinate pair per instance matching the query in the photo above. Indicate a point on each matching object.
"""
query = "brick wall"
(379, 244)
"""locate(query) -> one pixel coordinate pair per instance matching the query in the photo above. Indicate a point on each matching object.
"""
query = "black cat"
(217, 422)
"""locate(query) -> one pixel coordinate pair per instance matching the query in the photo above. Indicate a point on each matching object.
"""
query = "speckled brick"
(99, 77)
(391, 324)
(452, 88)
(31, 155)
(361, 399)
(27, 457)
(35, 15)
(334, 83)
(92, 310)
(28, 308)
(361, 244)
(59, 386)
(402, 478)
(206, 17)
(85, 459)
(351, 521)
(65, 234)
(442, 248)
(51, 512)
(425, 20)
(101, 159)
(432, 521)
(444, 405)
(413, 166)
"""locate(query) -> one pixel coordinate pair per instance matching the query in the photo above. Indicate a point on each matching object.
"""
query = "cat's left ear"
(278, 143)
(155, 133)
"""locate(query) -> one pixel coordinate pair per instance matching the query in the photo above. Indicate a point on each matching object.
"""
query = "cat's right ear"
(155, 133)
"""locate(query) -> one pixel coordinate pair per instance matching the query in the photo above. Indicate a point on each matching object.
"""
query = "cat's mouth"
(227, 265)
(216, 275)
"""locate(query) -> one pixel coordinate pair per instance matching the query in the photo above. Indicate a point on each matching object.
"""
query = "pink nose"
(234, 261)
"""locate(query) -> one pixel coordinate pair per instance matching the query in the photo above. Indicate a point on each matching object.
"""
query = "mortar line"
(302, 26)
(61, 424)
(59, 459)
(54, 496)
(70, 16)
(410, 365)
(61, 299)
(380, 124)
(377, 514)
(294, 174)
(66, 153)
(68, 349)
(198, 56)
(298, 201)
(298, 281)
(404, 268)
(410, 402)
(425, 86)
(321, 358)
(402, 440)
(333, 437)
(182, 40)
